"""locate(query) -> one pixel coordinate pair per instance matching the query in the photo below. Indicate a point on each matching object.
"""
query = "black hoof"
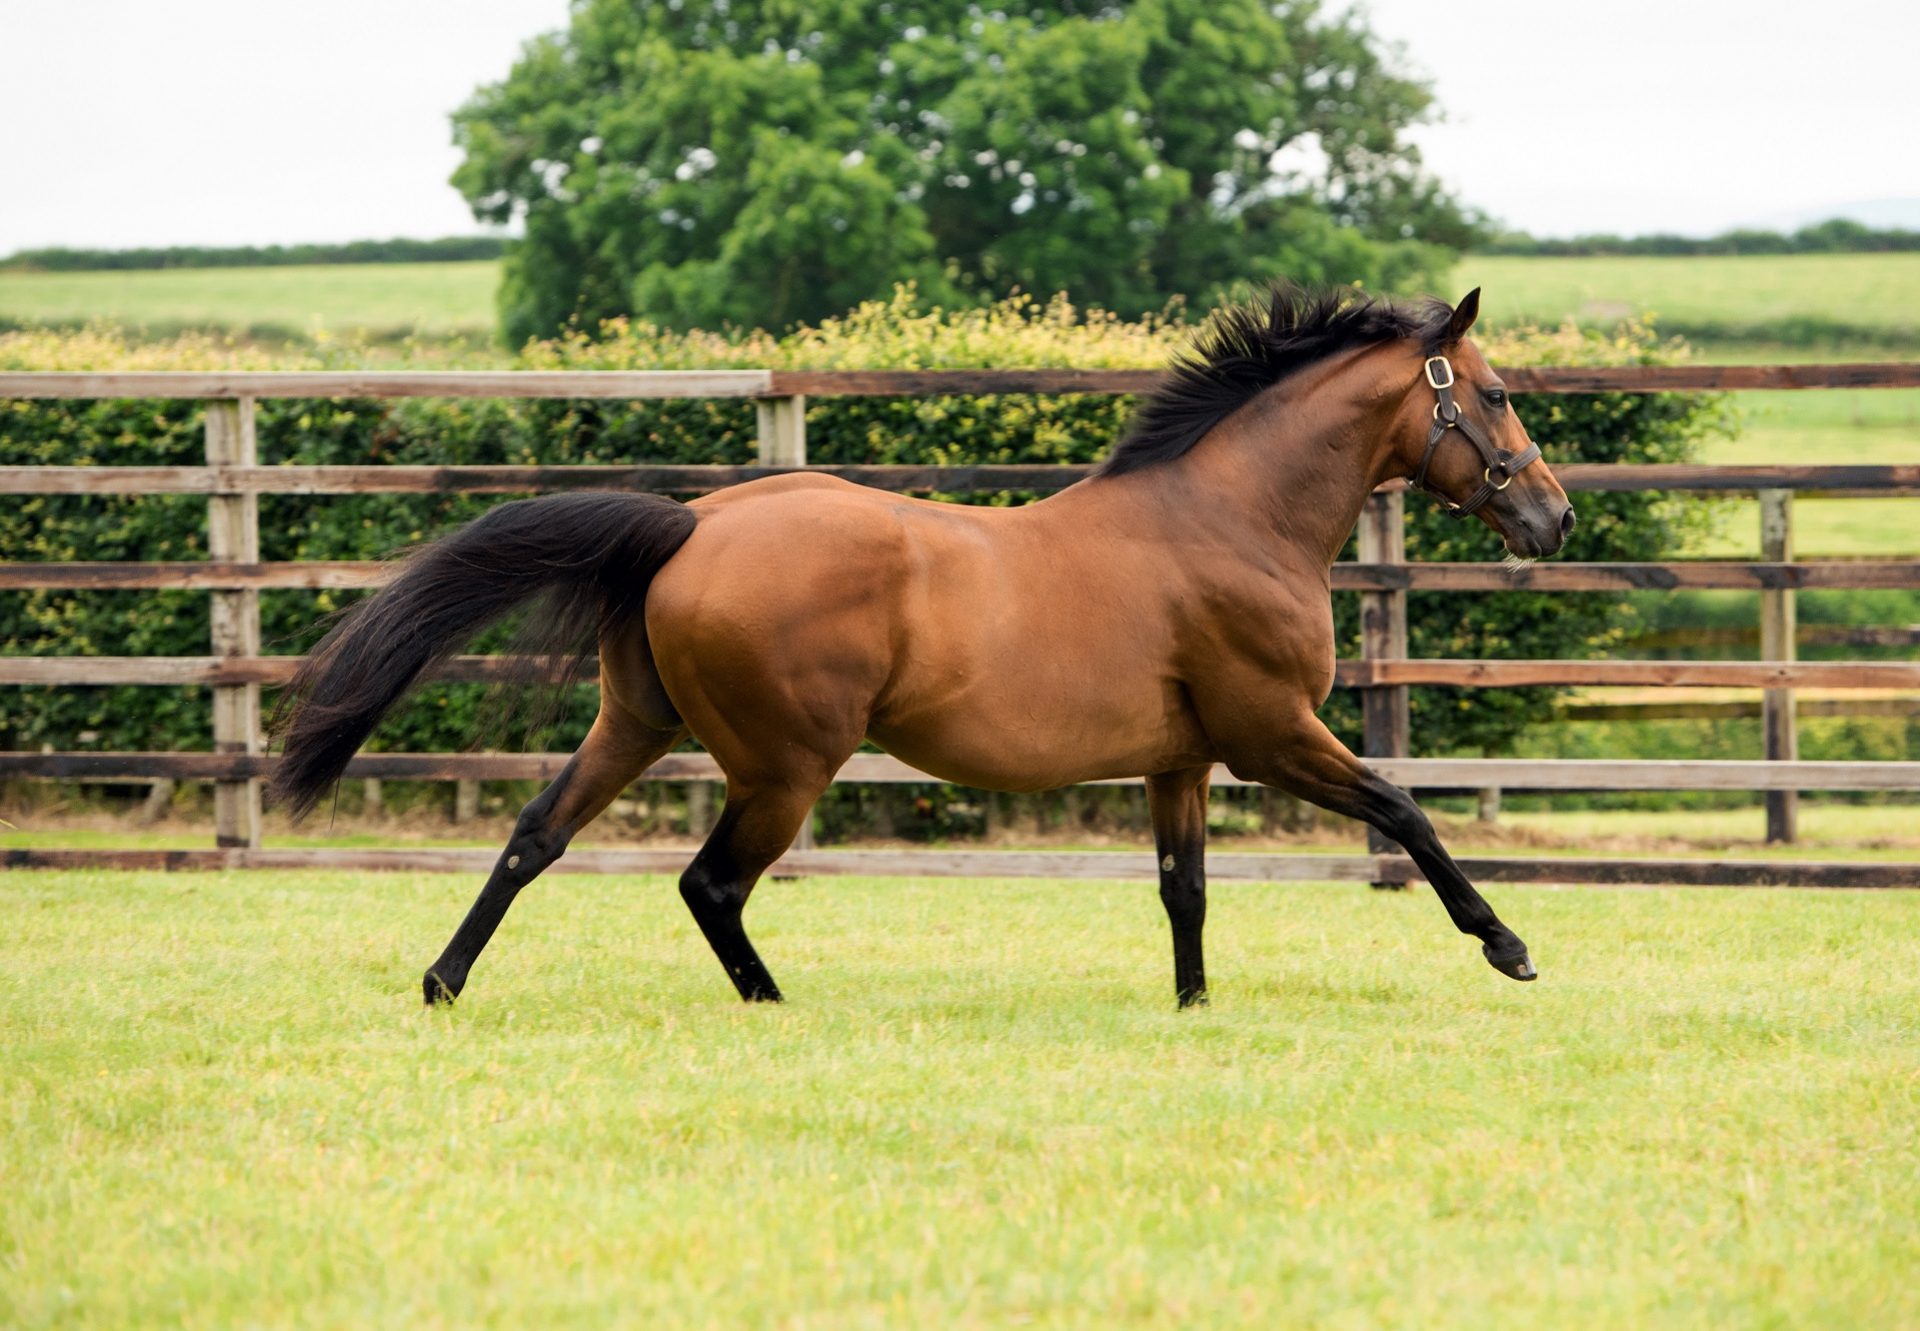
(1515, 965)
(435, 991)
(1194, 998)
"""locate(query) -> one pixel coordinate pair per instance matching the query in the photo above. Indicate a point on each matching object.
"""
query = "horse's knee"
(535, 843)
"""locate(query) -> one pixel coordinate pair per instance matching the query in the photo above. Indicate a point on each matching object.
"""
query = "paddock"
(978, 1107)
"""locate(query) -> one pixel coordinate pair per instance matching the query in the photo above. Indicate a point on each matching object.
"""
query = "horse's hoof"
(435, 991)
(1514, 965)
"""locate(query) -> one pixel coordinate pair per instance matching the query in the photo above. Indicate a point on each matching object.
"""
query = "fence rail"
(879, 768)
(234, 575)
(400, 478)
(234, 671)
(865, 383)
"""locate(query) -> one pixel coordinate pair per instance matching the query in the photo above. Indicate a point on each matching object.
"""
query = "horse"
(1169, 612)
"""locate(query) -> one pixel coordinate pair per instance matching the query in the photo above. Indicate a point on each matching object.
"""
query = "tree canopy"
(768, 162)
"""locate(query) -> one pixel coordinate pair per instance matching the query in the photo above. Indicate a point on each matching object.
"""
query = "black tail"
(590, 556)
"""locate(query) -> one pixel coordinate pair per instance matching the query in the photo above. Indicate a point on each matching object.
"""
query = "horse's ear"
(1463, 315)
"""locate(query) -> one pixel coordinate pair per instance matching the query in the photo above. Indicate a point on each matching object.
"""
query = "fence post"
(783, 430)
(1383, 634)
(783, 443)
(699, 809)
(233, 534)
(1777, 634)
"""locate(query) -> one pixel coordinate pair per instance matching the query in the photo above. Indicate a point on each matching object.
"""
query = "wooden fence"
(234, 575)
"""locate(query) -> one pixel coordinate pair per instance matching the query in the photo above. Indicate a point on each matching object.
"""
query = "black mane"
(1244, 349)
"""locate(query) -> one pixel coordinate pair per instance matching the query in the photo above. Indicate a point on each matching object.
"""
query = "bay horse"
(1169, 612)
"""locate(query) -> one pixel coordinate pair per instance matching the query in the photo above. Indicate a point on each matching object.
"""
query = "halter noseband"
(1446, 416)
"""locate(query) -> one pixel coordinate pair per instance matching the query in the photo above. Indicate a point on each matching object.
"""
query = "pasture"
(980, 1108)
(1874, 293)
(1744, 295)
(1857, 426)
(298, 301)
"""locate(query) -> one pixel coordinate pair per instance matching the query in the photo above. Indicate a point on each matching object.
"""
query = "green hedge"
(1011, 429)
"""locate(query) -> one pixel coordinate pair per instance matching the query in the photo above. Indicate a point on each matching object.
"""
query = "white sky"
(154, 122)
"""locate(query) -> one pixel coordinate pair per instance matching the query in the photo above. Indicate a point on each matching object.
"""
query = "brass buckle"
(1506, 480)
(1433, 380)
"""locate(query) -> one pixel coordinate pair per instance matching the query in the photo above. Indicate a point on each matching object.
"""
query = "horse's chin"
(1525, 546)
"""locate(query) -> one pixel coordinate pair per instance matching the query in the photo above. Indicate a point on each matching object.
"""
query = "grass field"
(340, 299)
(1858, 426)
(979, 1108)
(1875, 293)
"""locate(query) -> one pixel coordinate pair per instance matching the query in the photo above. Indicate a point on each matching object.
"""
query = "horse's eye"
(1496, 397)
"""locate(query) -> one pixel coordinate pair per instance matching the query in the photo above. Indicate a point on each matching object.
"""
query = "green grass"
(1875, 293)
(1855, 426)
(224, 1107)
(339, 299)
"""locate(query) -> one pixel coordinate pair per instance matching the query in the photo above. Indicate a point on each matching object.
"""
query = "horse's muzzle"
(1536, 537)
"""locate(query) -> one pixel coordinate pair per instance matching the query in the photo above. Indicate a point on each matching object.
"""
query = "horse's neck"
(1300, 459)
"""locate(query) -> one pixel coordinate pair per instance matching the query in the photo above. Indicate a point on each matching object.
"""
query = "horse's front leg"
(1178, 803)
(1308, 762)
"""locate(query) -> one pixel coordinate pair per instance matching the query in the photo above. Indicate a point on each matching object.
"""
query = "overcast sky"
(154, 122)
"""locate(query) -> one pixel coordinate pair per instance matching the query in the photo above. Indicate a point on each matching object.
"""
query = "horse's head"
(1461, 442)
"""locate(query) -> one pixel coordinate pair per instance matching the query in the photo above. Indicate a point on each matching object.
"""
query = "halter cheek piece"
(1501, 467)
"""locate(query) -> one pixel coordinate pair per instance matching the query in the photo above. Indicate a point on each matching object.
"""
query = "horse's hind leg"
(1177, 802)
(754, 829)
(617, 750)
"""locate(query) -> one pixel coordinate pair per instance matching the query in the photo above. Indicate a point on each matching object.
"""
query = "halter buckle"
(1505, 479)
(1434, 381)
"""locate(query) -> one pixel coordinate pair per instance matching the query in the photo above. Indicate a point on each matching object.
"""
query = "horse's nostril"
(1566, 522)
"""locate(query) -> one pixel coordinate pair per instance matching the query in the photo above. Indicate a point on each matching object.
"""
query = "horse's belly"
(1035, 738)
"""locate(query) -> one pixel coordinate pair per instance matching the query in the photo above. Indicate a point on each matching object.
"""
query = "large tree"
(763, 162)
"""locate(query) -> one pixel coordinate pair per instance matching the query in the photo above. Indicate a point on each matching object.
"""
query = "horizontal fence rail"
(1355, 674)
(232, 480)
(864, 383)
(1569, 577)
(402, 478)
(880, 768)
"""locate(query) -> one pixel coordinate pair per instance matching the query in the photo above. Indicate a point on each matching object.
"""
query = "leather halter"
(1501, 467)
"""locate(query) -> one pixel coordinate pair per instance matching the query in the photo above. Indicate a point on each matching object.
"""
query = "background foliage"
(760, 163)
(894, 334)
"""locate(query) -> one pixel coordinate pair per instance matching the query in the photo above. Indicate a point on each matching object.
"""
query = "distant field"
(1867, 427)
(1876, 293)
(378, 299)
